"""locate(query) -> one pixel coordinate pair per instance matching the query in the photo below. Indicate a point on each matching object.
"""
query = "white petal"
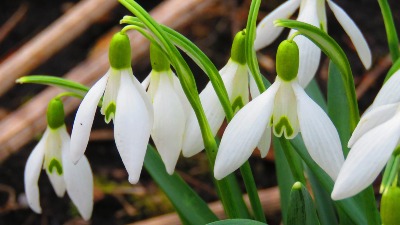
(265, 143)
(354, 33)
(319, 134)
(78, 179)
(133, 124)
(143, 94)
(146, 82)
(309, 53)
(389, 93)
(32, 172)
(373, 118)
(367, 158)
(254, 92)
(193, 140)
(266, 31)
(181, 94)
(54, 145)
(84, 119)
(244, 132)
(169, 122)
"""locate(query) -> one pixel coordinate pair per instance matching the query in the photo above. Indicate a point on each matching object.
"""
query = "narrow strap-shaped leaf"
(393, 69)
(188, 204)
(391, 32)
(350, 206)
(301, 207)
(65, 84)
(284, 176)
(339, 112)
(237, 222)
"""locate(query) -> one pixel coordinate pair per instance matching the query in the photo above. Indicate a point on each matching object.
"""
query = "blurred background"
(69, 38)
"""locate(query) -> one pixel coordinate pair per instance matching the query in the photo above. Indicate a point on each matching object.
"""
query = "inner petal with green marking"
(110, 112)
(110, 96)
(55, 164)
(284, 118)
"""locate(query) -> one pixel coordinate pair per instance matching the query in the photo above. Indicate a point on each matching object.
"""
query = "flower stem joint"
(287, 60)
(159, 61)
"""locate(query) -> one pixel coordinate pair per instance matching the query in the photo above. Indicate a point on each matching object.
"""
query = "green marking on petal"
(110, 112)
(283, 126)
(237, 104)
(54, 163)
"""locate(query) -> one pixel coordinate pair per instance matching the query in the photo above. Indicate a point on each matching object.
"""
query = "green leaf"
(188, 204)
(284, 176)
(390, 27)
(237, 222)
(393, 69)
(329, 46)
(301, 207)
(338, 106)
(350, 206)
(65, 84)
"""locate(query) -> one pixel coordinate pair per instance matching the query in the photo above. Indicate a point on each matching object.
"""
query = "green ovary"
(283, 126)
(54, 163)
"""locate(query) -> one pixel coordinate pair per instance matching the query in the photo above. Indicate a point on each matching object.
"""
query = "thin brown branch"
(53, 38)
(9, 25)
(20, 127)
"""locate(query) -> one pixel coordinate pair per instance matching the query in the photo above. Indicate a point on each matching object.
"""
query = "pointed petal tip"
(133, 179)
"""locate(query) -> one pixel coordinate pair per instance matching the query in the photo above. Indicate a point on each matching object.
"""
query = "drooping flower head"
(170, 108)
(235, 76)
(372, 143)
(286, 108)
(311, 12)
(125, 102)
(52, 155)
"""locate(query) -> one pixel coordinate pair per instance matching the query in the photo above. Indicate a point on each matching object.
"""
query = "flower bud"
(287, 60)
(390, 206)
(159, 62)
(238, 48)
(55, 114)
(119, 53)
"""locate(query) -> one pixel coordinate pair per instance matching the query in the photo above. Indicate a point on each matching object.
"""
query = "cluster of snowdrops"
(167, 107)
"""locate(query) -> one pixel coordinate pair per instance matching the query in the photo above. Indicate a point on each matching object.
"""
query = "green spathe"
(119, 53)
(287, 60)
(55, 114)
(390, 206)
(159, 61)
(238, 48)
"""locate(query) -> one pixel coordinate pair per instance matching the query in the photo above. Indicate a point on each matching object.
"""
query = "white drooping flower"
(286, 108)
(52, 155)
(372, 142)
(170, 109)
(311, 12)
(125, 102)
(235, 76)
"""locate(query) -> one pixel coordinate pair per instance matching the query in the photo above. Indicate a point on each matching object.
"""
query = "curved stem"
(390, 27)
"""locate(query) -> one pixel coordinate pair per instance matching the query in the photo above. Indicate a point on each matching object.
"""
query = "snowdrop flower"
(51, 154)
(372, 142)
(170, 109)
(286, 108)
(235, 77)
(125, 102)
(311, 12)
